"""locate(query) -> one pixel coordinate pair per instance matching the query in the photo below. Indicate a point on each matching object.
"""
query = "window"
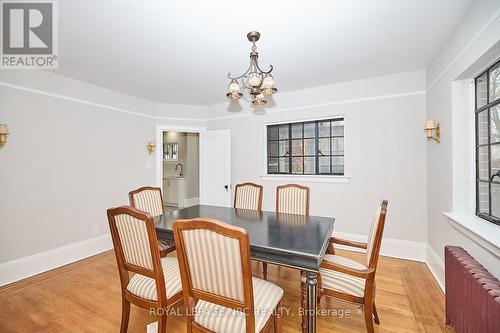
(306, 148)
(487, 111)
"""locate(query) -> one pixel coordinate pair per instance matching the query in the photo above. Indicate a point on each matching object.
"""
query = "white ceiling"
(181, 51)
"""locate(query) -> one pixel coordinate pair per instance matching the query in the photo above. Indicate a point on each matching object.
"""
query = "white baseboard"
(22, 268)
(436, 266)
(396, 248)
(403, 249)
(25, 267)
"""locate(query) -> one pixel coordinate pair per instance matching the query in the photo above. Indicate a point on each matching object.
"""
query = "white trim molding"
(305, 178)
(403, 249)
(484, 233)
(395, 248)
(312, 106)
(160, 128)
(91, 103)
(205, 119)
(490, 21)
(25, 267)
(22, 268)
(436, 266)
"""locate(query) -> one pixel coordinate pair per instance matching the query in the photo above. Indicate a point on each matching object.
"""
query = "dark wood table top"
(285, 239)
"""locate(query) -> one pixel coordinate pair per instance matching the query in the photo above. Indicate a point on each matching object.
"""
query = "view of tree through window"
(488, 144)
(307, 148)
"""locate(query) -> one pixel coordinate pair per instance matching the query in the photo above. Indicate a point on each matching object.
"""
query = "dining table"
(296, 241)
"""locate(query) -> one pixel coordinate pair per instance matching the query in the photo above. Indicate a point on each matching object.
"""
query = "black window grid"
(490, 181)
(288, 157)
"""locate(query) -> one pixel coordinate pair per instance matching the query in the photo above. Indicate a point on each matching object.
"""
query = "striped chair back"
(292, 199)
(248, 196)
(148, 199)
(375, 235)
(134, 240)
(214, 260)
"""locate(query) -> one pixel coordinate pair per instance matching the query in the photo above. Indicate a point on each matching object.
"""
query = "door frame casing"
(202, 154)
(227, 161)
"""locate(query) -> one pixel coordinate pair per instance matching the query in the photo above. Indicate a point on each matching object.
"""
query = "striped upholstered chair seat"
(341, 282)
(150, 200)
(145, 287)
(156, 282)
(349, 280)
(266, 297)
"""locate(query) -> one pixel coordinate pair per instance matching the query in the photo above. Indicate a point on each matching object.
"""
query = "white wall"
(448, 163)
(74, 150)
(385, 153)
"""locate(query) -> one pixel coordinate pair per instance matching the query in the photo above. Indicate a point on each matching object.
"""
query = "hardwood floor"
(85, 297)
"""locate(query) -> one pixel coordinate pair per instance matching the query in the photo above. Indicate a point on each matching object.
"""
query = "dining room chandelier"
(257, 82)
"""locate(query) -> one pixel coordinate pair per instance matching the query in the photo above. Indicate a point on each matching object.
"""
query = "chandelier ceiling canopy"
(257, 82)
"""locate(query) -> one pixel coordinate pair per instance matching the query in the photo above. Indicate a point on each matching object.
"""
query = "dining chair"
(220, 293)
(292, 199)
(150, 200)
(156, 284)
(352, 281)
(248, 196)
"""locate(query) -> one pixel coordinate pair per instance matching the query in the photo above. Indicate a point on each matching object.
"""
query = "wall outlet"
(95, 230)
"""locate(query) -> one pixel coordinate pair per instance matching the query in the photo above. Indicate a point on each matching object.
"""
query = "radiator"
(472, 294)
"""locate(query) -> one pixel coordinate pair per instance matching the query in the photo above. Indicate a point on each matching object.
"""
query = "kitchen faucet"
(181, 173)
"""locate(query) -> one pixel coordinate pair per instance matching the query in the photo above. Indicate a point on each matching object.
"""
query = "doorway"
(213, 184)
(180, 169)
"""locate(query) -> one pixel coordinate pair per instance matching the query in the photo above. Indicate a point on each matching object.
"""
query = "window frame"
(317, 174)
(477, 145)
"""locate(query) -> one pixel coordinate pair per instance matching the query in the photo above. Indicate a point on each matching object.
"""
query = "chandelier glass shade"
(257, 82)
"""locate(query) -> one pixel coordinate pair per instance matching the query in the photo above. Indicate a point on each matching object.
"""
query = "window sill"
(485, 233)
(306, 178)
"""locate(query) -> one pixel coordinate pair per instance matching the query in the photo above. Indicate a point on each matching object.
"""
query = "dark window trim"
(303, 156)
(485, 108)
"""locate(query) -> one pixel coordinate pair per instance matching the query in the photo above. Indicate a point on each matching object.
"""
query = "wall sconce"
(4, 133)
(430, 126)
(151, 147)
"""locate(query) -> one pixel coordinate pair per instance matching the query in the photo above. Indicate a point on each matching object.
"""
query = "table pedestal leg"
(309, 284)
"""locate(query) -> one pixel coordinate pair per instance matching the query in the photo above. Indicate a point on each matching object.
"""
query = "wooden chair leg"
(303, 302)
(125, 315)
(162, 324)
(277, 319)
(369, 316)
(264, 270)
(375, 314)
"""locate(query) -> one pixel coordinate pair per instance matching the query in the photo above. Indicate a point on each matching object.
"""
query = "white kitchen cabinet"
(174, 191)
